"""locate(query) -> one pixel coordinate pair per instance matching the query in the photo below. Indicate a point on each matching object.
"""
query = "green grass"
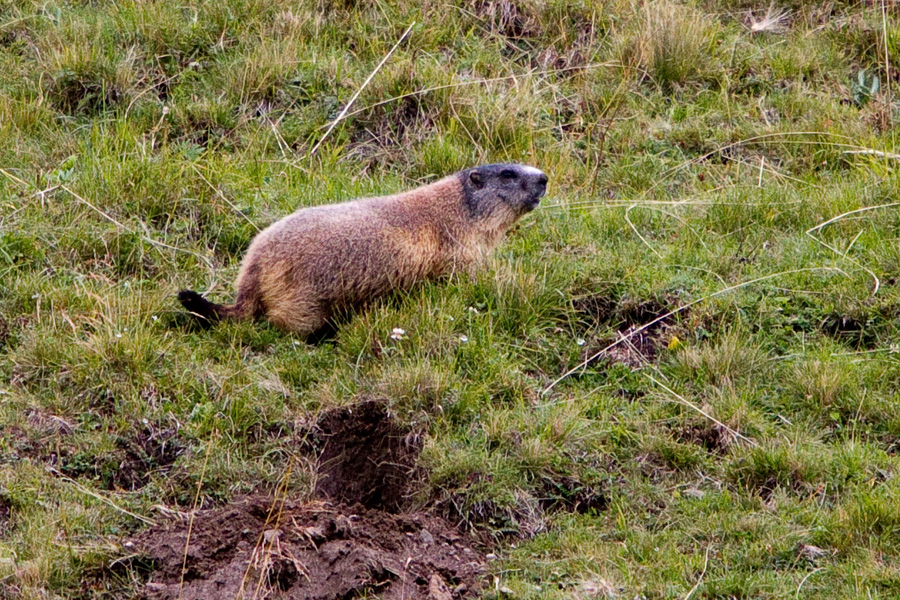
(751, 454)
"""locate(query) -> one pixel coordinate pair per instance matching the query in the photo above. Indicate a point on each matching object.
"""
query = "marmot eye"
(507, 174)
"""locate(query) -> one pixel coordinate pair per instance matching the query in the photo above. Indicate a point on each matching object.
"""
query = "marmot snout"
(301, 270)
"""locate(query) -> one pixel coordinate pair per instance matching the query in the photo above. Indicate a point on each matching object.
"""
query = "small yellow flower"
(675, 343)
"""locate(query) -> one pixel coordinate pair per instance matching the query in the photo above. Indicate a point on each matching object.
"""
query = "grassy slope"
(144, 143)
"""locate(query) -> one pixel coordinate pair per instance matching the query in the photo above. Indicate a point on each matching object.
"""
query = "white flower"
(397, 333)
(580, 341)
(464, 338)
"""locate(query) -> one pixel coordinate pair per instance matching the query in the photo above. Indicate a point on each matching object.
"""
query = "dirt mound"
(366, 457)
(354, 543)
(258, 548)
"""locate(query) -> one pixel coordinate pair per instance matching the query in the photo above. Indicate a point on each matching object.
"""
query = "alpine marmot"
(303, 269)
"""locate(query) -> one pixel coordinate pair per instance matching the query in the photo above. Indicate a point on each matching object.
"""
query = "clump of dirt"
(5, 516)
(258, 547)
(527, 512)
(606, 307)
(353, 543)
(83, 92)
(4, 332)
(152, 449)
(635, 348)
(594, 308)
(41, 432)
(392, 125)
(11, 37)
(638, 311)
(714, 438)
(366, 457)
(507, 18)
(199, 128)
(857, 330)
(572, 495)
(47, 425)
(636, 344)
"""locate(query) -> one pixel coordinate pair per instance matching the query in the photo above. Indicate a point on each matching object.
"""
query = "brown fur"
(302, 269)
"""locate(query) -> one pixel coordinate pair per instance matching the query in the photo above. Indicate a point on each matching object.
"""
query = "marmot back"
(301, 270)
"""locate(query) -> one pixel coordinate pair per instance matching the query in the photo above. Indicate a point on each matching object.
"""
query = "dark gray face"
(519, 187)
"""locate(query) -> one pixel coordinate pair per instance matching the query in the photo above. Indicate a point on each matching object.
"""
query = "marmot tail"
(202, 308)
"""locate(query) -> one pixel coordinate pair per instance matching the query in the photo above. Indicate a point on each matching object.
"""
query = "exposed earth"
(356, 541)
(257, 547)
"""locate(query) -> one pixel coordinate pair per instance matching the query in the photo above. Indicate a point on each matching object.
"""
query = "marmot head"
(504, 188)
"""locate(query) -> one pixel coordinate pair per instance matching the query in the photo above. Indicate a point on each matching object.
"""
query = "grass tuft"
(672, 45)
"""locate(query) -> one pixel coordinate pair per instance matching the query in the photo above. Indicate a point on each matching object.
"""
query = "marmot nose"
(542, 179)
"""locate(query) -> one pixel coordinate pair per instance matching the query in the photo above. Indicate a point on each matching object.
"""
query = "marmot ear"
(477, 180)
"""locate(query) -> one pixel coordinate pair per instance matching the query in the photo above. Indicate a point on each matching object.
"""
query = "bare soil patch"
(714, 438)
(365, 457)
(258, 548)
(150, 450)
(636, 347)
(635, 350)
(355, 542)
